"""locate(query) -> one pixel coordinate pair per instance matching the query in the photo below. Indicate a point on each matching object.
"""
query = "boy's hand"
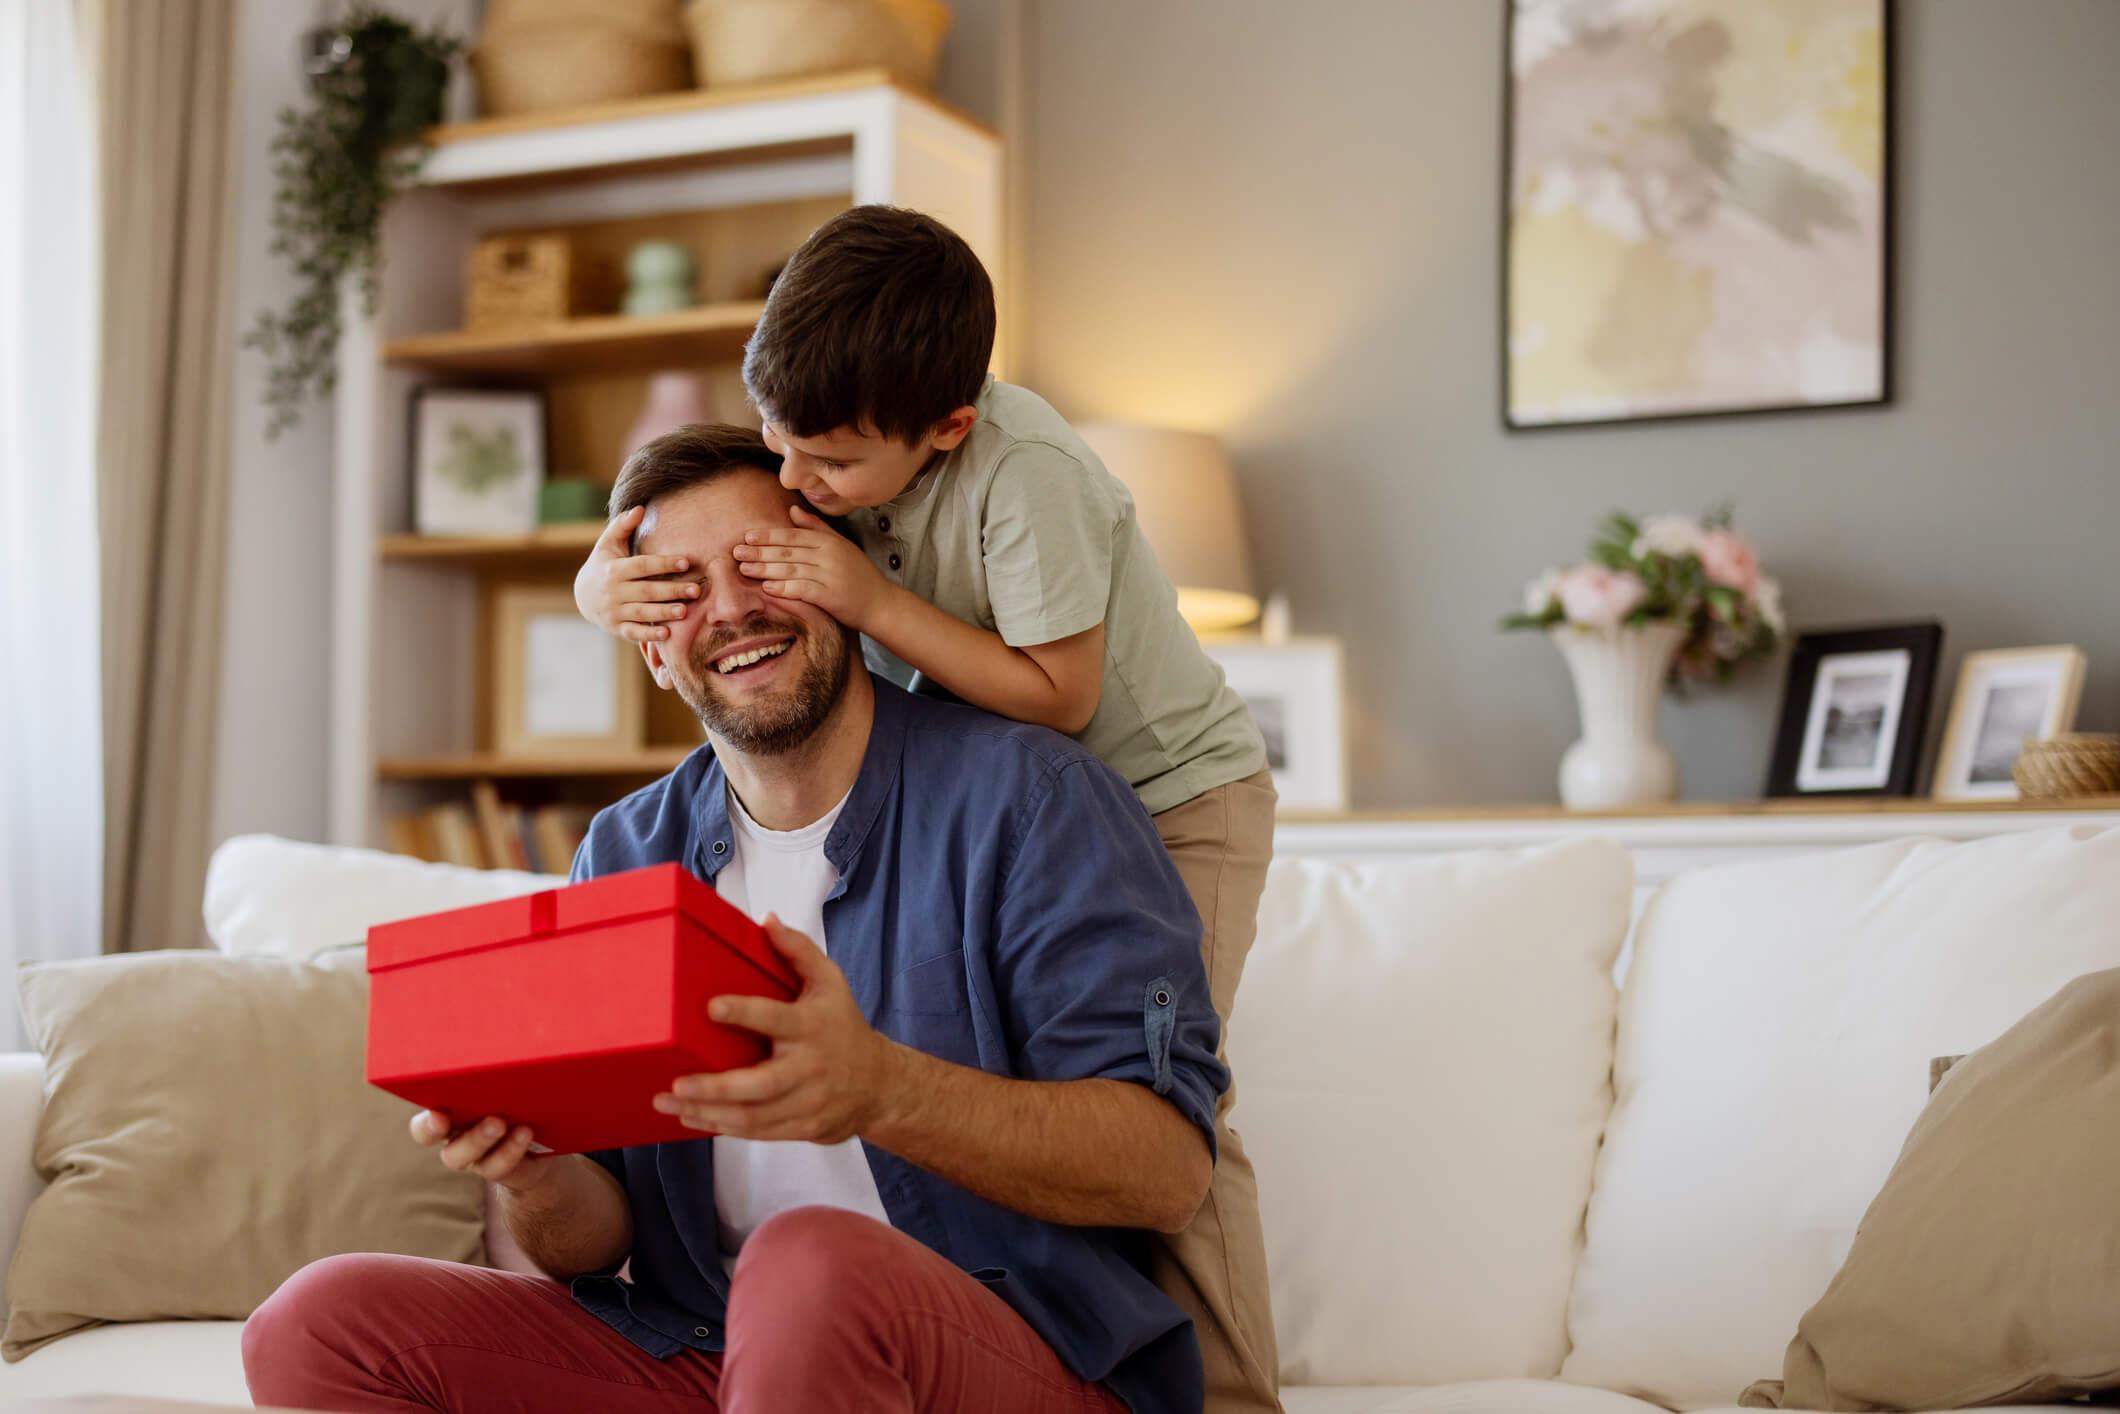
(814, 563)
(618, 592)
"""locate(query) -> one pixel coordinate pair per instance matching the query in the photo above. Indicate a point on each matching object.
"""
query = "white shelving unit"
(756, 169)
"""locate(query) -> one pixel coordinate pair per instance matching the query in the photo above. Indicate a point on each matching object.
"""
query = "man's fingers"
(470, 1147)
(502, 1158)
(809, 959)
(778, 1020)
(430, 1127)
(749, 1085)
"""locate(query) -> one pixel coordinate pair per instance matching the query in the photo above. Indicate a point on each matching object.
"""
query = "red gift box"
(568, 1010)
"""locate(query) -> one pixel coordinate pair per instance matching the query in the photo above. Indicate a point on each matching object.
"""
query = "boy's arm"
(1054, 685)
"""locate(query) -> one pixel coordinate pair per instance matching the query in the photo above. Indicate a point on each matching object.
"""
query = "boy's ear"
(953, 429)
(652, 652)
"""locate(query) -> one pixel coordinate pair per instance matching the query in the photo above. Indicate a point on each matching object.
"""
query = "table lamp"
(1186, 501)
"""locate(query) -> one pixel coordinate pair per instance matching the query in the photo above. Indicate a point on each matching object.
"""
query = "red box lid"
(659, 888)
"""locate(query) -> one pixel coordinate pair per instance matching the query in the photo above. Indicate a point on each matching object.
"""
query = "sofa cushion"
(267, 896)
(1422, 1055)
(207, 1131)
(199, 1361)
(1774, 1047)
(2011, 1166)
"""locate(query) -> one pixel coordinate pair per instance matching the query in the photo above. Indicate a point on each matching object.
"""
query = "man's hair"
(693, 455)
(884, 319)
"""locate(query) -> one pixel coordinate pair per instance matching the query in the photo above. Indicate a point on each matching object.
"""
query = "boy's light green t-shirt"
(1021, 531)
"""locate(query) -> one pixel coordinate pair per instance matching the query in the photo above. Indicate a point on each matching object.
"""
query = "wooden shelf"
(748, 123)
(560, 544)
(1708, 810)
(475, 765)
(597, 342)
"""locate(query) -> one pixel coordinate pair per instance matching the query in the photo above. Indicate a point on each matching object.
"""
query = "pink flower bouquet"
(1698, 574)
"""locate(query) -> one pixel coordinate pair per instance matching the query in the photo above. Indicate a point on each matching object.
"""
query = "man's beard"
(779, 724)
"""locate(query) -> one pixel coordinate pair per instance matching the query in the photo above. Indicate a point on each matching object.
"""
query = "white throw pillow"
(1422, 1051)
(1774, 1047)
(267, 896)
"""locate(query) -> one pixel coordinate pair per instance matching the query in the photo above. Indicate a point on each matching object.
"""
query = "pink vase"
(673, 400)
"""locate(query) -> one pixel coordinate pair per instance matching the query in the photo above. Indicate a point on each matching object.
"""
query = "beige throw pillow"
(1983, 1272)
(207, 1131)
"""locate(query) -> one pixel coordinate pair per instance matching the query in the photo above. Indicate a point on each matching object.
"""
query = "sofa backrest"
(1422, 1050)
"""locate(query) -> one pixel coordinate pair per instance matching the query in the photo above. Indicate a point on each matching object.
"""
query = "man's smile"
(746, 656)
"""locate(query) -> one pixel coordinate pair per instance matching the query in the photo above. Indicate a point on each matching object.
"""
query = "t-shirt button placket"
(896, 562)
(721, 846)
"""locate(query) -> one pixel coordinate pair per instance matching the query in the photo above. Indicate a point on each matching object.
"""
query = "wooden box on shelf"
(511, 281)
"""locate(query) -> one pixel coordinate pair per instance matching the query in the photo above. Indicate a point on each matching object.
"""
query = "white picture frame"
(2005, 698)
(1297, 694)
(478, 459)
(1853, 723)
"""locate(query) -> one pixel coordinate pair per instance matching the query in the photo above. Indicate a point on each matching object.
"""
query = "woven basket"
(757, 41)
(536, 68)
(2068, 766)
(516, 280)
(659, 21)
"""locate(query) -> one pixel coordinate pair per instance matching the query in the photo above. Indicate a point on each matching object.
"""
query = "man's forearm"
(1090, 1153)
(575, 1221)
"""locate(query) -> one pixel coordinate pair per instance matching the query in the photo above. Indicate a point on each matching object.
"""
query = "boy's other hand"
(816, 564)
(489, 1149)
(624, 594)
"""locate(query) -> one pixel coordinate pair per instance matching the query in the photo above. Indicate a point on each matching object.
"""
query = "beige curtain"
(166, 76)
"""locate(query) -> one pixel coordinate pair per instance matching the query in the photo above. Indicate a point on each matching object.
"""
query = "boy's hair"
(884, 319)
(694, 455)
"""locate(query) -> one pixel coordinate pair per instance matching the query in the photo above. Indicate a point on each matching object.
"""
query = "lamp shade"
(1185, 500)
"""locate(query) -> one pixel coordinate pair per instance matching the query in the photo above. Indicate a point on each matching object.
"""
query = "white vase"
(1619, 681)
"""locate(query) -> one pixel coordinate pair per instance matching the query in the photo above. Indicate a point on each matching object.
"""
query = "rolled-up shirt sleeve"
(1097, 949)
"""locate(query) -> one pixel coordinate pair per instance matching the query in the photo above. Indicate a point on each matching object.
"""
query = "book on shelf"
(492, 833)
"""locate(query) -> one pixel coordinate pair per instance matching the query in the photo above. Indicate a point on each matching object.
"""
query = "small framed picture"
(1854, 711)
(561, 685)
(2006, 697)
(478, 459)
(1296, 694)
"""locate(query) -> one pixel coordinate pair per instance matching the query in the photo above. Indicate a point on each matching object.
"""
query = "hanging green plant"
(376, 85)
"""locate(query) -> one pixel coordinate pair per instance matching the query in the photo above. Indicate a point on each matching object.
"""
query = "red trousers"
(829, 1310)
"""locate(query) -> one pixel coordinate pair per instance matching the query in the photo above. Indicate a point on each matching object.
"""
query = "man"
(935, 1194)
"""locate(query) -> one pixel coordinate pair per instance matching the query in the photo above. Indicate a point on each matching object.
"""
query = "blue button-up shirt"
(1004, 903)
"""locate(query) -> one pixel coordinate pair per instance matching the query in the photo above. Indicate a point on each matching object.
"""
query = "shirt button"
(896, 562)
(700, 1331)
(1162, 997)
(721, 846)
(883, 523)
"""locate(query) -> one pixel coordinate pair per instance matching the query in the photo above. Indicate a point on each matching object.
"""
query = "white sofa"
(1495, 1179)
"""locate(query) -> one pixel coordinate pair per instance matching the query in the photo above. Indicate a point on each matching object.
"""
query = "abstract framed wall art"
(1696, 208)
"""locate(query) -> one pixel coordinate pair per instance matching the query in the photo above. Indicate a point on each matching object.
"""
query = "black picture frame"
(1922, 642)
(1888, 199)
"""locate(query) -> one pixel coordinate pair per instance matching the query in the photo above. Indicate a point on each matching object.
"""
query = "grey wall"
(1279, 222)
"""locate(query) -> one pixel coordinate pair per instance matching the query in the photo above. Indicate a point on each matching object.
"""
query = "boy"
(1000, 561)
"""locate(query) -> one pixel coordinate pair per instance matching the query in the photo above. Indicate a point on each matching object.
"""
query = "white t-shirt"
(783, 872)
